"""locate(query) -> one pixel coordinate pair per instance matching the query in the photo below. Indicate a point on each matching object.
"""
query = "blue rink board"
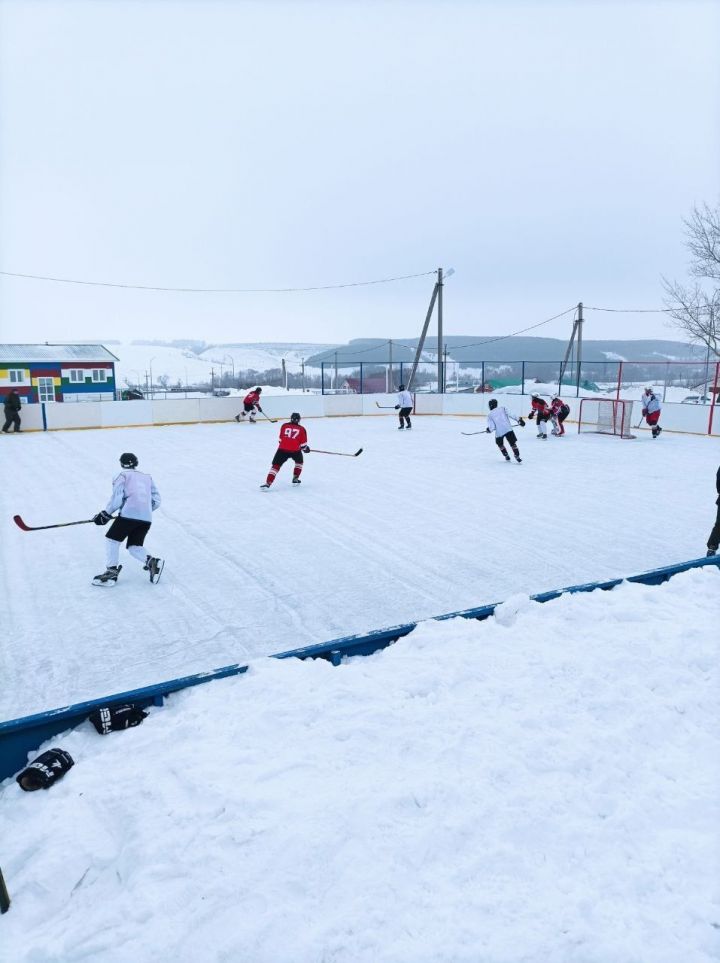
(20, 737)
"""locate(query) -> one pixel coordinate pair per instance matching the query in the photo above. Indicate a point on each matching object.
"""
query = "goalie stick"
(347, 454)
(36, 528)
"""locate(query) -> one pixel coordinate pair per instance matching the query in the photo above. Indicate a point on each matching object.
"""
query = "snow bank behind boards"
(112, 414)
(538, 786)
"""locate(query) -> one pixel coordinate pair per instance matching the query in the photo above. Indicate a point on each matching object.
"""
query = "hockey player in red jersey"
(293, 442)
(559, 412)
(541, 412)
(251, 404)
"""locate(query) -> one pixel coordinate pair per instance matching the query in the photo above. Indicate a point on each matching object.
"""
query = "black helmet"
(128, 460)
(492, 404)
(258, 389)
(295, 417)
(401, 387)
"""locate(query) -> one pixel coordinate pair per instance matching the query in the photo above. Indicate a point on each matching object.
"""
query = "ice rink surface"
(422, 523)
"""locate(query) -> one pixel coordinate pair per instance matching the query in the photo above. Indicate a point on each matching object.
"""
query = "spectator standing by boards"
(12, 408)
(714, 540)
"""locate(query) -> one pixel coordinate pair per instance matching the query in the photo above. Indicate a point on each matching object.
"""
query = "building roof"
(15, 353)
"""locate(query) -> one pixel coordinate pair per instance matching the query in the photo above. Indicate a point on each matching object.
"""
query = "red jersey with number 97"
(292, 437)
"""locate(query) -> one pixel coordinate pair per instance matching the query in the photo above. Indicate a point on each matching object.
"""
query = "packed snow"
(422, 523)
(541, 786)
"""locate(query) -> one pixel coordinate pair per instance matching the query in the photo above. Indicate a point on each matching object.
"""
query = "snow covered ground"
(541, 787)
(422, 523)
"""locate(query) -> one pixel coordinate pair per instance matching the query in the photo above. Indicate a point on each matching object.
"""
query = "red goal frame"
(606, 416)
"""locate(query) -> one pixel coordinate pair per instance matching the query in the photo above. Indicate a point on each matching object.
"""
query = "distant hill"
(467, 349)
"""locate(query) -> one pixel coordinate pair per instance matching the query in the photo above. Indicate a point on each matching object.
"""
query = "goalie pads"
(45, 770)
(111, 719)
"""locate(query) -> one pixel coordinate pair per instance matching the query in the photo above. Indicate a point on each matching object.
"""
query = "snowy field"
(422, 523)
(541, 787)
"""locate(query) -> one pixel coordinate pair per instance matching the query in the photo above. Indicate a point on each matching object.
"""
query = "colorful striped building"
(57, 372)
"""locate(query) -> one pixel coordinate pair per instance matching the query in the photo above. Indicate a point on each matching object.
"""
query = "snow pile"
(540, 786)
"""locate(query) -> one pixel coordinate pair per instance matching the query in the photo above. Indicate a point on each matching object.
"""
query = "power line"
(631, 310)
(475, 344)
(148, 287)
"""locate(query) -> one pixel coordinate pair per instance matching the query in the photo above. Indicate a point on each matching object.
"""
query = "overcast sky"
(548, 152)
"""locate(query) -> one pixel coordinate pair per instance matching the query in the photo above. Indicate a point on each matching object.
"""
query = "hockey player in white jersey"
(498, 420)
(135, 498)
(403, 407)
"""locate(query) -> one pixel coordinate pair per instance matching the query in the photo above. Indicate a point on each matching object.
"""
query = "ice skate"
(296, 481)
(108, 577)
(401, 428)
(154, 566)
(518, 459)
(506, 456)
(711, 553)
(265, 487)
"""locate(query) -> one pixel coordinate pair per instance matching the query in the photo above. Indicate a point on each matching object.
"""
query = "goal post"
(606, 416)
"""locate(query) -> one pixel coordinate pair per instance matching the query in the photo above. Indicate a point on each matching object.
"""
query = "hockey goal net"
(606, 416)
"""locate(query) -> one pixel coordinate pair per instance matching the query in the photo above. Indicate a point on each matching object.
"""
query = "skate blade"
(104, 584)
(156, 577)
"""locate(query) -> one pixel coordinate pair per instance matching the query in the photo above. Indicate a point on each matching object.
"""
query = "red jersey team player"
(541, 412)
(251, 404)
(293, 442)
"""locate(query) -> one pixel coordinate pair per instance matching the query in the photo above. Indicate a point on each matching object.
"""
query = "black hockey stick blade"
(472, 432)
(387, 407)
(345, 454)
(36, 528)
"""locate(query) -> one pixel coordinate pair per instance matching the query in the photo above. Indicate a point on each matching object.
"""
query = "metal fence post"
(522, 379)
(361, 377)
(322, 377)
(402, 380)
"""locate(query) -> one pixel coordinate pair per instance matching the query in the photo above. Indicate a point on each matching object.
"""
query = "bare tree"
(696, 307)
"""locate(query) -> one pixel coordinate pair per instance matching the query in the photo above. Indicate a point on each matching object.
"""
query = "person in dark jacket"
(12, 407)
(714, 540)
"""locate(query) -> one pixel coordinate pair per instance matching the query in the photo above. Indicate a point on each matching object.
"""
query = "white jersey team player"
(403, 407)
(498, 420)
(135, 498)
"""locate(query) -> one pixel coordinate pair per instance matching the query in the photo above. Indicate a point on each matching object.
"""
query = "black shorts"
(281, 456)
(405, 412)
(131, 529)
(248, 407)
(510, 435)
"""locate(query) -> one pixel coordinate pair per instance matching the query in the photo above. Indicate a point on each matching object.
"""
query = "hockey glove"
(521, 422)
(45, 771)
(306, 448)
(531, 415)
(111, 719)
(259, 408)
(397, 407)
(102, 518)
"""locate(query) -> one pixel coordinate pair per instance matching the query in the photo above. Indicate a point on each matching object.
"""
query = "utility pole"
(302, 369)
(336, 373)
(212, 379)
(284, 374)
(579, 345)
(390, 374)
(441, 369)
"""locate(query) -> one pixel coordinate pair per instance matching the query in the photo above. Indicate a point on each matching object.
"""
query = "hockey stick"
(474, 432)
(271, 420)
(347, 454)
(387, 407)
(36, 528)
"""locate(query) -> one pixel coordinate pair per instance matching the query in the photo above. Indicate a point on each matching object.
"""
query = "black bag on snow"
(45, 770)
(113, 718)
